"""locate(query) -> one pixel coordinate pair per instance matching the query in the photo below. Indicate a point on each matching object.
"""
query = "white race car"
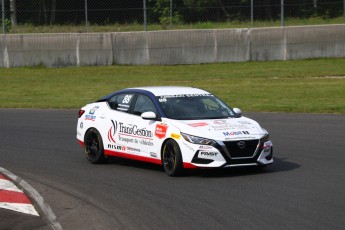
(177, 127)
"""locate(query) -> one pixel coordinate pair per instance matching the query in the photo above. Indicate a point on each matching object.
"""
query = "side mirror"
(148, 115)
(237, 111)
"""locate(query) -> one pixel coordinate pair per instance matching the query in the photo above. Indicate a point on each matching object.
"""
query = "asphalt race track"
(304, 189)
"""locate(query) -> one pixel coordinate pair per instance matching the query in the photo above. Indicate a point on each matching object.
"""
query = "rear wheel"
(94, 150)
(172, 158)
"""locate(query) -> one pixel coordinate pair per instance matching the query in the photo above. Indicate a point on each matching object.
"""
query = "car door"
(117, 130)
(145, 143)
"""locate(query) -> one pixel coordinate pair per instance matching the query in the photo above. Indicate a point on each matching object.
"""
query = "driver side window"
(144, 104)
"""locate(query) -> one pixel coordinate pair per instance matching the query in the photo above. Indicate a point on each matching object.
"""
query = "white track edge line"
(49, 215)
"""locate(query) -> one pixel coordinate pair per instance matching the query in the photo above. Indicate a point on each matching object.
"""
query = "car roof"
(158, 91)
(171, 90)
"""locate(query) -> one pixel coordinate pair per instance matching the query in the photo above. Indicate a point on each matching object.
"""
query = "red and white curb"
(12, 198)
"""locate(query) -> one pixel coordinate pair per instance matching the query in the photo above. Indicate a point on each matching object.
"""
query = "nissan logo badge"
(241, 144)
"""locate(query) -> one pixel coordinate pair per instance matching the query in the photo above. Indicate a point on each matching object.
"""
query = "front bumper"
(234, 154)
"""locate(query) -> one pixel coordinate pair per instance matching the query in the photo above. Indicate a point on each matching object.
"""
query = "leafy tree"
(163, 9)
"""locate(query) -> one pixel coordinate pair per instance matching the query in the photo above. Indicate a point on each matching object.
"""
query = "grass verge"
(117, 27)
(308, 86)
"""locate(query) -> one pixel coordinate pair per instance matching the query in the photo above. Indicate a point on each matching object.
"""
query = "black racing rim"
(92, 145)
(169, 157)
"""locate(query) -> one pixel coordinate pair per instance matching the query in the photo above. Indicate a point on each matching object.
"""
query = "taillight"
(80, 113)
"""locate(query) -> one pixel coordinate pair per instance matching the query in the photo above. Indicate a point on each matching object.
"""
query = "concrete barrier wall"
(94, 49)
(315, 42)
(267, 44)
(172, 47)
(130, 48)
(41, 49)
(232, 45)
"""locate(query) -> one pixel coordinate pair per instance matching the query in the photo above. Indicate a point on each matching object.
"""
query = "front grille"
(241, 149)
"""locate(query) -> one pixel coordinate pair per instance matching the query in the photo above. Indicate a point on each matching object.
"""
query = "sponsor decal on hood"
(220, 129)
(198, 124)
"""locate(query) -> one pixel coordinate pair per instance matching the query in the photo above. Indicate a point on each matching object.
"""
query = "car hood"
(220, 129)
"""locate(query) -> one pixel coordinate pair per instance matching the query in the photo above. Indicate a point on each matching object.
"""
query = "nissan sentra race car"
(176, 127)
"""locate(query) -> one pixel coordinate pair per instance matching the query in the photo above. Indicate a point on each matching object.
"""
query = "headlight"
(265, 138)
(198, 140)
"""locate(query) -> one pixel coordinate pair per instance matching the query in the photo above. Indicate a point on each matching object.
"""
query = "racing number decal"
(127, 99)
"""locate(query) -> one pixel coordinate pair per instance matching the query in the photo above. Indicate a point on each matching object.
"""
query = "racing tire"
(93, 149)
(172, 158)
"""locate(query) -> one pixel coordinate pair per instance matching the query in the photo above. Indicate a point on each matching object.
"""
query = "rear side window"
(121, 102)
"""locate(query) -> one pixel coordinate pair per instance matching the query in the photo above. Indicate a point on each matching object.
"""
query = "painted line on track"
(49, 215)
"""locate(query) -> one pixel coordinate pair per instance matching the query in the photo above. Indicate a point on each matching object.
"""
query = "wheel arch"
(163, 144)
(91, 127)
(94, 156)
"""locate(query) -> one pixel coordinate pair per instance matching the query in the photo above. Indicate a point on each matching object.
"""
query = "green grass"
(29, 28)
(311, 86)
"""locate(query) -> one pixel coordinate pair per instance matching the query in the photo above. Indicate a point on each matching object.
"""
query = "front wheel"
(172, 158)
(94, 150)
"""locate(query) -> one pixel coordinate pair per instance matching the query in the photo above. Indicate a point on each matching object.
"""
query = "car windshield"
(194, 107)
